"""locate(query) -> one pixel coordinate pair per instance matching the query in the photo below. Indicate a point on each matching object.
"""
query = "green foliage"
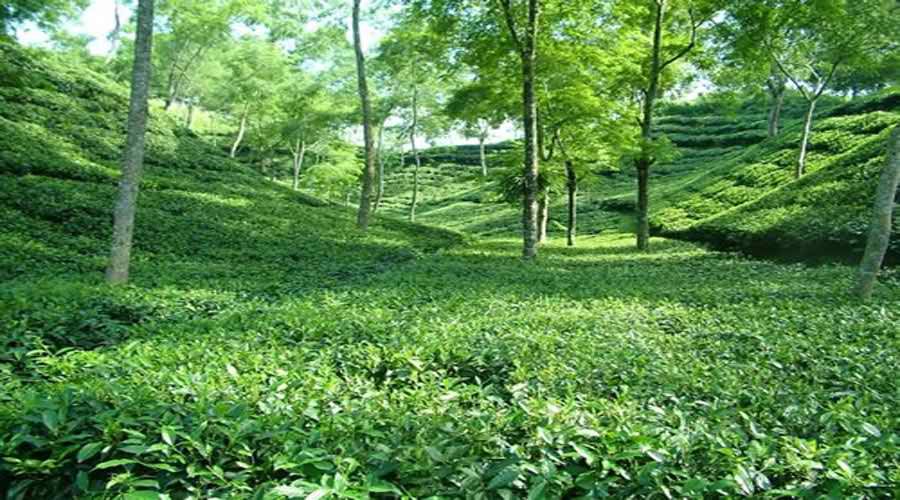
(752, 203)
(399, 382)
(268, 349)
(45, 13)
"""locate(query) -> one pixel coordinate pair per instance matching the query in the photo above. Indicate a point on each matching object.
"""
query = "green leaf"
(316, 495)
(585, 454)
(89, 450)
(871, 429)
(109, 464)
(504, 478)
(50, 420)
(536, 492)
(141, 495)
(167, 435)
(290, 491)
(82, 480)
(744, 481)
(380, 486)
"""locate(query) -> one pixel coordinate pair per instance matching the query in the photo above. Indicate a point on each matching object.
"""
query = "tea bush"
(267, 349)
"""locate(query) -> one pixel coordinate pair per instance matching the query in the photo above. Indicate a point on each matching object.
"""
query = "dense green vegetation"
(277, 329)
(728, 186)
(269, 349)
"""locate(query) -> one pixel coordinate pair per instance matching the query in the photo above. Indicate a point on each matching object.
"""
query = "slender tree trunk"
(482, 155)
(190, 115)
(240, 135)
(365, 203)
(415, 152)
(644, 160)
(116, 34)
(804, 141)
(379, 193)
(880, 227)
(415, 194)
(532, 156)
(572, 191)
(299, 153)
(776, 92)
(172, 93)
(543, 216)
(643, 219)
(133, 162)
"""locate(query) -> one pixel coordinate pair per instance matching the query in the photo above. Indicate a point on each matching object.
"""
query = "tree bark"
(190, 115)
(362, 216)
(880, 227)
(812, 96)
(572, 192)
(482, 156)
(776, 87)
(379, 193)
(242, 129)
(116, 34)
(528, 54)
(133, 162)
(543, 216)
(299, 153)
(804, 140)
(643, 218)
(415, 152)
(644, 160)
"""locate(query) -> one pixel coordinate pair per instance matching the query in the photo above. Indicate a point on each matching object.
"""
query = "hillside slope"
(61, 134)
(266, 349)
(729, 186)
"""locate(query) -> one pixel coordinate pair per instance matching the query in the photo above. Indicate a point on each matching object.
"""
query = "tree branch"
(824, 84)
(511, 23)
(791, 78)
(690, 46)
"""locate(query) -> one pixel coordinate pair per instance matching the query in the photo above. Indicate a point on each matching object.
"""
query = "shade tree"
(478, 108)
(809, 43)
(254, 69)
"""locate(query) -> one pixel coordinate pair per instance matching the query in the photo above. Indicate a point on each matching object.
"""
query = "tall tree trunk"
(481, 155)
(644, 160)
(804, 141)
(643, 205)
(415, 194)
(172, 92)
(379, 193)
(116, 34)
(572, 191)
(190, 115)
(299, 153)
(240, 135)
(880, 227)
(415, 152)
(543, 216)
(532, 155)
(133, 162)
(776, 86)
(365, 203)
